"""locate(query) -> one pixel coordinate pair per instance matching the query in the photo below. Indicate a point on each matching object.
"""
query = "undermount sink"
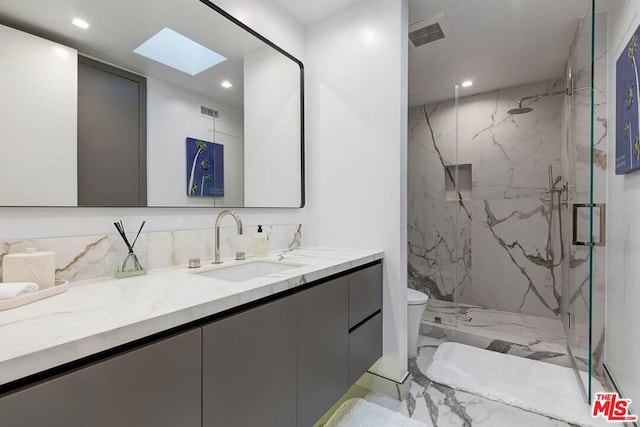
(246, 271)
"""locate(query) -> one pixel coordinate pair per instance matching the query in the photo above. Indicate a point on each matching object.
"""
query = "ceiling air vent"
(425, 35)
(206, 111)
(429, 31)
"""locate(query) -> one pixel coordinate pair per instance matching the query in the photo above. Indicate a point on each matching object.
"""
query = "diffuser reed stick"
(131, 255)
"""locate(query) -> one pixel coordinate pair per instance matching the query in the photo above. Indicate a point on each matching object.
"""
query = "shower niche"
(463, 176)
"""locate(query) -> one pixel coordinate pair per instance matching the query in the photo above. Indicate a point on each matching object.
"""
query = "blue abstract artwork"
(205, 168)
(628, 108)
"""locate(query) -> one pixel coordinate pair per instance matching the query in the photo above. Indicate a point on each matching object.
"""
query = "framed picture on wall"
(205, 168)
(628, 107)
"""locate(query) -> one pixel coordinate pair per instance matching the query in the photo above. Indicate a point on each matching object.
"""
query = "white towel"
(12, 290)
(358, 412)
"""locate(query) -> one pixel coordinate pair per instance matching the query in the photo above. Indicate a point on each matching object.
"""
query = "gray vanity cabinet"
(323, 343)
(249, 375)
(283, 362)
(157, 385)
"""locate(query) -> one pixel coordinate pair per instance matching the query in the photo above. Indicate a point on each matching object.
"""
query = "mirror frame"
(253, 32)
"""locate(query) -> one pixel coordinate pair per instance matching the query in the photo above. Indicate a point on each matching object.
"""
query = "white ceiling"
(495, 43)
(309, 11)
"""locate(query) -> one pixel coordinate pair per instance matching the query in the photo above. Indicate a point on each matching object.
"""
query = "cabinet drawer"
(365, 347)
(365, 293)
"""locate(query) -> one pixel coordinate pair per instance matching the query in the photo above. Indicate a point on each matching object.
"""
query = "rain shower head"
(521, 110)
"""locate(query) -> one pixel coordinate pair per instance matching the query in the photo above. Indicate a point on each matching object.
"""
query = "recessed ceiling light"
(177, 51)
(467, 83)
(80, 23)
(226, 84)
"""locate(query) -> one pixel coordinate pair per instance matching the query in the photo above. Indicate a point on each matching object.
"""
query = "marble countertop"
(97, 315)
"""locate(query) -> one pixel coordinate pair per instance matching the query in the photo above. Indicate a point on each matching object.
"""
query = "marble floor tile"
(526, 329)
(534, 337)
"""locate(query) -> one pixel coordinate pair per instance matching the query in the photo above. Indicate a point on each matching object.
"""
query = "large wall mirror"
(161, 104)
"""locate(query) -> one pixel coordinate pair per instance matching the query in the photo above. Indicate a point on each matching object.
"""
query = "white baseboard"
(386, 386)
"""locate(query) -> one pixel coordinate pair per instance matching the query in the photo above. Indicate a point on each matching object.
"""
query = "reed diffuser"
(131, 263)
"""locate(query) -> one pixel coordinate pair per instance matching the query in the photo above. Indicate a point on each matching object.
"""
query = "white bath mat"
(532, 385)
(360, 413)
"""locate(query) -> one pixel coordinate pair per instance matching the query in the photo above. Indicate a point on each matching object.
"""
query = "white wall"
(174, 114)
(623, 234)
(357, 141)
(20, 223)
(272, 139)
(38, 123)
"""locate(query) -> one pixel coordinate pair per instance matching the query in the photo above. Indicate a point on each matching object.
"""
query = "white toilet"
(416, 303)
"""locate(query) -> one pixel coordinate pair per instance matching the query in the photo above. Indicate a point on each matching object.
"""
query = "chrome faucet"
(216, 259)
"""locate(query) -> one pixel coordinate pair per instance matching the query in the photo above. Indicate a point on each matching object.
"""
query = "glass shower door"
(583, 274)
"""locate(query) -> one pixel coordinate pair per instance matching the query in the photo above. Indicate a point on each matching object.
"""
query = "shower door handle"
(602, 208)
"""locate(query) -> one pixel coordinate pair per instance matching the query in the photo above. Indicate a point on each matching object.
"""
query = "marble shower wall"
(503, 258)
(91, 257)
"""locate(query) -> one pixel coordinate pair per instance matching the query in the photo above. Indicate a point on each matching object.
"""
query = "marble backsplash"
(91, 257)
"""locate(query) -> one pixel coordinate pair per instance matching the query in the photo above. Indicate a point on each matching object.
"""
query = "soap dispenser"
(260, 243)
